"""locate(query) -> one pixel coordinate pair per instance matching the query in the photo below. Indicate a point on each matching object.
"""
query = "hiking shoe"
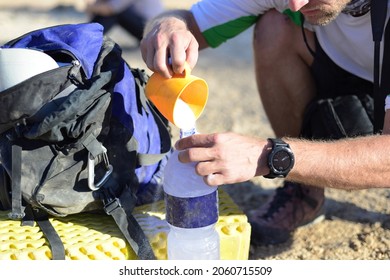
(293, 205)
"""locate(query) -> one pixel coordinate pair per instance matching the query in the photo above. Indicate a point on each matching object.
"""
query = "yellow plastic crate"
(97, 237)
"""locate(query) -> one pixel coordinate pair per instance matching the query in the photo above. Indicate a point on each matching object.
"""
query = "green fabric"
(296, 17)
(219, 34)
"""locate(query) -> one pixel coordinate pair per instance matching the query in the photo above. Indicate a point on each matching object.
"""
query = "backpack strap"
(17, 210)
(26, 214)
(42, 219)
(121, 211)
(385, 81)
(149, 159)
(378, 19)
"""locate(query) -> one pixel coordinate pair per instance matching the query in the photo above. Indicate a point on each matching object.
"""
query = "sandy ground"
(357, 224)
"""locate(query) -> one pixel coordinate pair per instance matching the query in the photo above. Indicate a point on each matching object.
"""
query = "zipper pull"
(74, 73)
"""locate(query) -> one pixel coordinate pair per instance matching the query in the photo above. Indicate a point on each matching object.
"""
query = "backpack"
(81, 137)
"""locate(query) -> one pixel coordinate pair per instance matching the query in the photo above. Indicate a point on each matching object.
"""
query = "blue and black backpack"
(81, 137)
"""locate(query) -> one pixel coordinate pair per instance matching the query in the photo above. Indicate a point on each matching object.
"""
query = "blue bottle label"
(192, 212)
(187, 132)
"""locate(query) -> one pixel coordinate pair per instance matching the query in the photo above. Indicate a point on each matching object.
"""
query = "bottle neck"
(185, 132)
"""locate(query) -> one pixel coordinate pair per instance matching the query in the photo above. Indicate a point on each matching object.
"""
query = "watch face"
(281, 160)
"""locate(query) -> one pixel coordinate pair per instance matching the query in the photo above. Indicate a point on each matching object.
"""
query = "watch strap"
(276, 143)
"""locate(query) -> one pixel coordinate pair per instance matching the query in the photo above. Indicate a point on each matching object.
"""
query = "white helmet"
(17, 65)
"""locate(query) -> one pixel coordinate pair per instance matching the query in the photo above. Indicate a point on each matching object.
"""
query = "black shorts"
(332, 81)
(343, 106)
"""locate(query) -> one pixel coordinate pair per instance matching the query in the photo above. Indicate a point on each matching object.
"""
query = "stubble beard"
(323, 19)
(325, 16)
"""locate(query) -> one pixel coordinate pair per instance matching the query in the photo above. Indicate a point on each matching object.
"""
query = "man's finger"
(196, 140)
(213, 179)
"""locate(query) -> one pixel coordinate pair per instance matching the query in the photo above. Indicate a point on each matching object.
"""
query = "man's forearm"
(358, 163)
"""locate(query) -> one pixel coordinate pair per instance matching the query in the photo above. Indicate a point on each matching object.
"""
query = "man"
(293, 65)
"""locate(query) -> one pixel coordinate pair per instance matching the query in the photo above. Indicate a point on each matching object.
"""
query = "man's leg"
(132, 21)
(284, 80)
(286, 86)
(106, 21)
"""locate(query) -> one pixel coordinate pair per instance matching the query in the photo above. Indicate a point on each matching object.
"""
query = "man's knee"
(274, 32)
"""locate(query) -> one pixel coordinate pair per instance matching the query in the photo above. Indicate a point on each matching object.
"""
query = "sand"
(357, 224)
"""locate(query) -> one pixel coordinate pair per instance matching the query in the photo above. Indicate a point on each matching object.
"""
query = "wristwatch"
(280, 159)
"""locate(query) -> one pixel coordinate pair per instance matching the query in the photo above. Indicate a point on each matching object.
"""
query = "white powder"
(183, 116)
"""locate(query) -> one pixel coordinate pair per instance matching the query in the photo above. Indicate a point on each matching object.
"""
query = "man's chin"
(318, 21)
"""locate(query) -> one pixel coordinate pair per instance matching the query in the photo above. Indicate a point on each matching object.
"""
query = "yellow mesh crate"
(97, 237)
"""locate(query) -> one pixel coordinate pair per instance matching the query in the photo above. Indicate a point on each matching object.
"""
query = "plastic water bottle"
(191, 211)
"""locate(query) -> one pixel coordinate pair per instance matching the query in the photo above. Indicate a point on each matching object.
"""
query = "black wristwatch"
(280, 159)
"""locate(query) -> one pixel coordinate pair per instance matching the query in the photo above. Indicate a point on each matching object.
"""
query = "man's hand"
(224, 158)
(168, 44)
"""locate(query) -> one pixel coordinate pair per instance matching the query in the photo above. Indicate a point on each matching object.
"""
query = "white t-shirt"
(347, 40)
